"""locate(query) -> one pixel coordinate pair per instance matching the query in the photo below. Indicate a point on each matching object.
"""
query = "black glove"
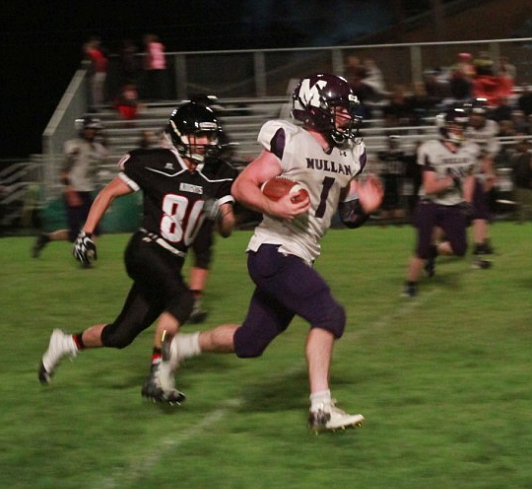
(211, 209)
(84, 248)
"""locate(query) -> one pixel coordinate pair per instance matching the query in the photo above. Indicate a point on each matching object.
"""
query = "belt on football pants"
(162, 243)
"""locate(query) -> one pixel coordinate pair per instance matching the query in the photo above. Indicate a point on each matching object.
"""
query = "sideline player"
(83, 156)
(180, 191)
(325, 156)
(448, 165)
(482, 131)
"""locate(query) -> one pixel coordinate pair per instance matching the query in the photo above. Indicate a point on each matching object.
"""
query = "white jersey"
(435, 156)
(82, 161)
(323, 174)
(485, 137)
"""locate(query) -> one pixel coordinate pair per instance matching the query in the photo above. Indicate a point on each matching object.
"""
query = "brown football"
(277, 187)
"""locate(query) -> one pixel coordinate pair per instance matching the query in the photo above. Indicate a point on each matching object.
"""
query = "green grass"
(444, 380)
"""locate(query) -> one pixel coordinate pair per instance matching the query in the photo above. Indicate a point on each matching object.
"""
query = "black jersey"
(173, 195)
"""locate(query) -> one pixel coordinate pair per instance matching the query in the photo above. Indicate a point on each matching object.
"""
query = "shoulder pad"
(270, 128)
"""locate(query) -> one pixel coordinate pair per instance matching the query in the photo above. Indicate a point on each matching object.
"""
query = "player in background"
(203, 246)
(448, 165)
(482, 131)
(326, 157)
(392, 173)
(180, 191)
(83, 156)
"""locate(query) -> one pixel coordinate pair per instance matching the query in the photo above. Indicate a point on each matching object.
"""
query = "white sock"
(319, 398)
(188, 344)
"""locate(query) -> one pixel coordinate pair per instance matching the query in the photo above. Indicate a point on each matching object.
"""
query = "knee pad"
(248, 345)
(113, 337)
(334, 320)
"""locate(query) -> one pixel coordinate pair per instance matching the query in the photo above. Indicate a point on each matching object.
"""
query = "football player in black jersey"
(202, 247)
(183, 183)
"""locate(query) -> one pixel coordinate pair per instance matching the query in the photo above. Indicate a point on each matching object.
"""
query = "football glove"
(84, 248)
(211, 208)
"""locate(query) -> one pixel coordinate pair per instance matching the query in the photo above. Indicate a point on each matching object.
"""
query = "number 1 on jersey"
(327, 184)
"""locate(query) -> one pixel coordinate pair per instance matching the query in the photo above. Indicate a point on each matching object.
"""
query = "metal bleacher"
(241, 120)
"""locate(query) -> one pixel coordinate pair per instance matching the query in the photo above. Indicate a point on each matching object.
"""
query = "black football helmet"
(315, 101)
(478, 106)
(478, 112)
(452, 124)
(192, 120)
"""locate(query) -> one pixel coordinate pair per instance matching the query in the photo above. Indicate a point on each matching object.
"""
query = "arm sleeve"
(351, 213)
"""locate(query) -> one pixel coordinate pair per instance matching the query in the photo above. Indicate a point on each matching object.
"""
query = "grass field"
(444, 380)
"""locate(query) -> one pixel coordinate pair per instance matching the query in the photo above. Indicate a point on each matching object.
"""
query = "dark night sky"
(41, 41)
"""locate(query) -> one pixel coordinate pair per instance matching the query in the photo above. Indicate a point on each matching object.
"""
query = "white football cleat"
(327, 417)
(160, 387)
(61, 345)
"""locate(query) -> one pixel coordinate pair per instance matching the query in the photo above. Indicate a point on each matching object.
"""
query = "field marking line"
(145, 462)
(137, 468)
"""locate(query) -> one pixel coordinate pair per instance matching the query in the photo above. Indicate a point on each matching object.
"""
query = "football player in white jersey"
(83, 157)
(325, 156)
(448, 165)
(482, 131)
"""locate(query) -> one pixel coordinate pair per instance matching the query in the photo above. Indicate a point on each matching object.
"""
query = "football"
(277, 187)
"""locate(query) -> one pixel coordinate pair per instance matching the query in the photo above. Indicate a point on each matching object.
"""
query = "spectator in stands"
(484, 65)
(398, 111)
(83, 156)
(466, 66)
(355, 74)
(129, 62)
(374, 77)
(421, 103)
(148, 139)
(460, 86)
(505, 69)
(97, 57)
(435, 85)
(520, 122)
(503, 110)
(524, 101)
(128, 104)
(155, 76)
(521, 164)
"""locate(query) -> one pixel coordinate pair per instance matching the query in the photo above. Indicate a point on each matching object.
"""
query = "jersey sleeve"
(228, 173)
(423, 157)
(130, 166)
(275, 136)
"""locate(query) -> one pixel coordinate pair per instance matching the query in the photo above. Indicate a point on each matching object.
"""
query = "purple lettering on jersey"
(329, 166)
(278, 143)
